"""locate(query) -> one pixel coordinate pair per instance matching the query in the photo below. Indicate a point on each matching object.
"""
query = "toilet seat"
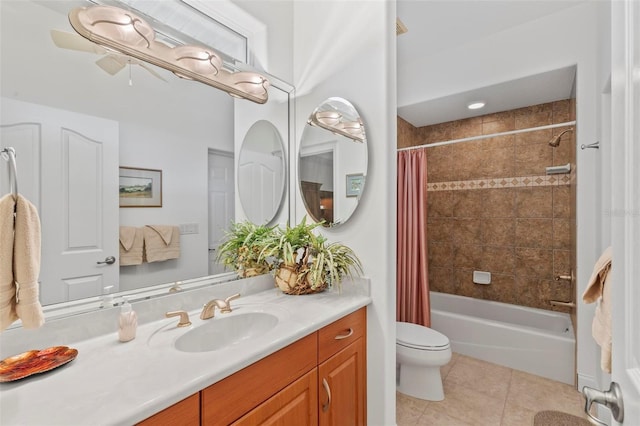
(419, 337)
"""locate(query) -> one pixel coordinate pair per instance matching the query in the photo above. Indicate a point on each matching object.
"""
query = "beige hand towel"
(599, 288)
(26, 264)
(7, 288)
(131, 244)
(161, 242)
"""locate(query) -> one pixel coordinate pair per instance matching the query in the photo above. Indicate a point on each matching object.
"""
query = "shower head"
(556, 139)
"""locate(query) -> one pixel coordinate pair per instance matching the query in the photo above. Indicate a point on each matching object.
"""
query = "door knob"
(110, 260)
(611, 399)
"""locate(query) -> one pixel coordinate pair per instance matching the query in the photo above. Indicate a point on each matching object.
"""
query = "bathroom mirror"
(162, 122)
(261, 172)
(332, 162)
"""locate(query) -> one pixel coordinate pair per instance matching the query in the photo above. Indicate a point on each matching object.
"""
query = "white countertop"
(123, 383)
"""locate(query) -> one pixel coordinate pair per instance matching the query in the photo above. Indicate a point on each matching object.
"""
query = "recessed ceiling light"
(476, 105)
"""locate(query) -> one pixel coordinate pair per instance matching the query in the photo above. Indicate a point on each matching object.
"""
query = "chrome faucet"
(208, 311)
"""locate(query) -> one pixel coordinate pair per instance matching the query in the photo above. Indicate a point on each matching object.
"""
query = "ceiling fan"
(111, 62)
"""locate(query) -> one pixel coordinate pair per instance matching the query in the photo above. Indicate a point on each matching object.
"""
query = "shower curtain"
(412, 280)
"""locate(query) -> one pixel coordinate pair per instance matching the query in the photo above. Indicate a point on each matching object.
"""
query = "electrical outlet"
(189, 228)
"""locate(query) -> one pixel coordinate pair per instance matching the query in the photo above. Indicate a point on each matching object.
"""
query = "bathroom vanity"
(310, 363)
(319, 379)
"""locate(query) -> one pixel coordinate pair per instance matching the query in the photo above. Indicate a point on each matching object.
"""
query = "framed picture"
(140, 187)
(355, 183)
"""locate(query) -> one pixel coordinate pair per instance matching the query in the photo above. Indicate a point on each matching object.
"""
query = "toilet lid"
(420, 337)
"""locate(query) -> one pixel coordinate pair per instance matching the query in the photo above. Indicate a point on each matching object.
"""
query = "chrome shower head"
(556, 139)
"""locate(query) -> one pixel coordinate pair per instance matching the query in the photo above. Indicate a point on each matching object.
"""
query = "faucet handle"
(184, 317)
(227, 303)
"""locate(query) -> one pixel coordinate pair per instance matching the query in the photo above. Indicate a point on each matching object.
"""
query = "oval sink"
(220, 332)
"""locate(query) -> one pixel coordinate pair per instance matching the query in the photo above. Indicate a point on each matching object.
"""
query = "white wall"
(571, 36)
(347, 49)
(181, 154)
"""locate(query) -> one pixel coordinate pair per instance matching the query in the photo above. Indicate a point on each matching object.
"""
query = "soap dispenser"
(127, 323)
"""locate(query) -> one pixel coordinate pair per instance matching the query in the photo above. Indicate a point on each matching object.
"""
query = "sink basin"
(220, 332)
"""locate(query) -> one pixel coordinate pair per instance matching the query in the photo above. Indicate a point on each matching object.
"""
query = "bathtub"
(533, 340)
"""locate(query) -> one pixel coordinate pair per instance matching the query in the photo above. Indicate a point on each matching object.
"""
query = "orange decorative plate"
(33, 362)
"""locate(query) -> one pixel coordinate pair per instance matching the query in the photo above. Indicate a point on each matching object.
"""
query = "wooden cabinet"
(317, 380)
(294, 405)
(342, 372)
(183, 413)
(228, 400)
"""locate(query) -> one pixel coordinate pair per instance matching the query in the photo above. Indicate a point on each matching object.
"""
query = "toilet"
(420, 352)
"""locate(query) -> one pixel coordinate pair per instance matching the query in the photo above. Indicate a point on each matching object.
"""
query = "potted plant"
(242, 247)
(305, 262)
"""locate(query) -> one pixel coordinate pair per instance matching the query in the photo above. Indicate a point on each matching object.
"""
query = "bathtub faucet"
(559, 303)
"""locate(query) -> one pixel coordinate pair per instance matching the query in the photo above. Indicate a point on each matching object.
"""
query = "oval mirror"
(332, 163)
(261, 172)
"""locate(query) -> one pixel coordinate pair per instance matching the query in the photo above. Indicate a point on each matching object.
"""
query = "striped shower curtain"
(412, 280)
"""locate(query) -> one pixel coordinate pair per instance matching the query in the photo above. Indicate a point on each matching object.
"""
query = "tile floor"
(478, 393)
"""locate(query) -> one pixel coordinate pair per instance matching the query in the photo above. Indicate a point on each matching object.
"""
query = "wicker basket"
(252, 272)
(288, 280)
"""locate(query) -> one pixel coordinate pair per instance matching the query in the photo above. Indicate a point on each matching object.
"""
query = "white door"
(221, 203)
(67, 166)
(260, 183)
(626, 204)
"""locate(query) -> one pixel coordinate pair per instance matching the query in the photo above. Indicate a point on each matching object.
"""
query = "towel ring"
(9, 154)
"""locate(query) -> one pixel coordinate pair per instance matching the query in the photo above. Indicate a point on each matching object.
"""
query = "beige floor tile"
(481, 376)
(538, 393)
(515, 415)
(437, 415)
(408, 409)
(469, 405)
(479, 393)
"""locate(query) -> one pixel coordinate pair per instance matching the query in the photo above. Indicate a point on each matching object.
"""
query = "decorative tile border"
(499, 183)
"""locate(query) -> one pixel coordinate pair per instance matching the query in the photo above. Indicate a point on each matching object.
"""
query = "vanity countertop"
(123, 383)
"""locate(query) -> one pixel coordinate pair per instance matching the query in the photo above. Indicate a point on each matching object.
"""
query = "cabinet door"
(295, 405)
(183, 413)
(342, 387)
(231, 398)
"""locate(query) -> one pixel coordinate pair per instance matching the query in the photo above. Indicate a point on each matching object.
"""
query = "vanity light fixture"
(334, 122)
(127, 33)
(476, 105)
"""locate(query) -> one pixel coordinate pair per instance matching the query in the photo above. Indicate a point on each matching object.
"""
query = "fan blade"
(111, 64)
(151, 71)
(66, 40)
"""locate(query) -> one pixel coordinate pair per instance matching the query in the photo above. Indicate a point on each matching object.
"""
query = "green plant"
(306, 262)
(242, 247)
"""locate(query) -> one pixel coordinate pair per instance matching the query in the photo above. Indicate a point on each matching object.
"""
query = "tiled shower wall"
(492, 208)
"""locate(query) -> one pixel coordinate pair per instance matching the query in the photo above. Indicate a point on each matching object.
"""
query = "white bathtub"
(533, 340)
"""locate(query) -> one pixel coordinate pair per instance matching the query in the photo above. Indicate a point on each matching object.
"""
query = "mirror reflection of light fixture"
(335, 122)
(125, 32)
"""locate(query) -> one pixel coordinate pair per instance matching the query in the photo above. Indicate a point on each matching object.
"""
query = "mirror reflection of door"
(317, 184)
(80, 227)
(261, 173)
(221, 203)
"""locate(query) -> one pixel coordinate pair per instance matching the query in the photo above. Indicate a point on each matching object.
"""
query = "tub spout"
(559, 303)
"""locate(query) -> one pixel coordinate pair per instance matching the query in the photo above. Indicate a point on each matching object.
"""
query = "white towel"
(19, 288)
(131, 244)
(161, 242)
(7, 287)
(599, 289)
